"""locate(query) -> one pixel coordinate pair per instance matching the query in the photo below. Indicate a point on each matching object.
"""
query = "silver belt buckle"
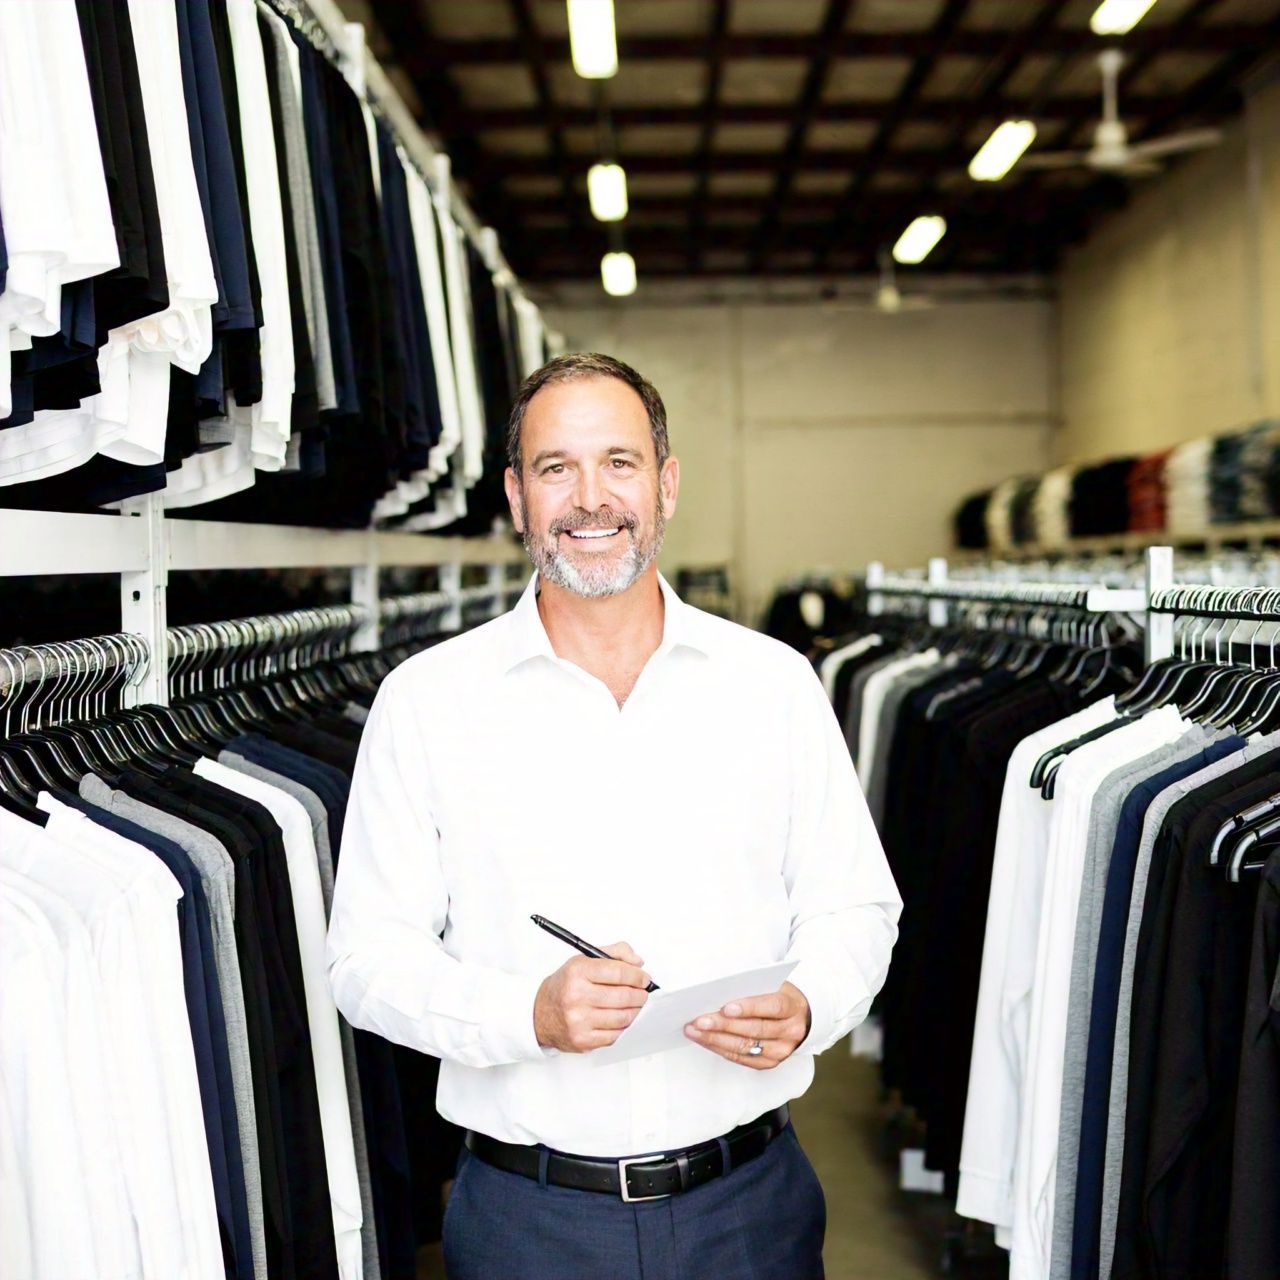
(623, 1165)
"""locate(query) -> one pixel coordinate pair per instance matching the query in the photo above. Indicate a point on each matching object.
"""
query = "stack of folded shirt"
(1256, 459)
(1100, 499)
(1147, 493)
(1187, 486)
(971, 522)
(999, 516)
(1051, 509)
(1022, 511)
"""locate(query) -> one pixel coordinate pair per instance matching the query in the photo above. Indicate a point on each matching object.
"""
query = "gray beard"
(594, 581)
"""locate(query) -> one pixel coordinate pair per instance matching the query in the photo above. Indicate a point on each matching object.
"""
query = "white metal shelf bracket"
(144, 604)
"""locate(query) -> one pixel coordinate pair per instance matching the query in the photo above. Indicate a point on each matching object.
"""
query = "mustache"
(577, 521)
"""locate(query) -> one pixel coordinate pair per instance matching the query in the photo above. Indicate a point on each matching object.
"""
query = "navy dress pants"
(762, 1221)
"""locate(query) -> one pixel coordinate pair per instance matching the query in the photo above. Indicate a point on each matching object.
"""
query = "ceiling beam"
(860, 111)
(674, 210)
(547, 107)
(834, 21)
(987, 94)
(1218, 38)
(913, 161)
(708, 114)
(874, 159)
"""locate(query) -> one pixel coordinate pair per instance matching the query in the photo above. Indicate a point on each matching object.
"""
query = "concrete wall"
(816, 435)
(1169, 323)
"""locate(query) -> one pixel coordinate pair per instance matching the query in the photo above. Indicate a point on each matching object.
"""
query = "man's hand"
(779, 1022)
(587, 1004)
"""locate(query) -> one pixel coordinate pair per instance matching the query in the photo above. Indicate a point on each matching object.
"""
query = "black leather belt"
(636, 1177)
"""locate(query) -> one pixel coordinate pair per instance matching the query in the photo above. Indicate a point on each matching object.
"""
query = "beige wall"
(814, 436)
(1170, 326)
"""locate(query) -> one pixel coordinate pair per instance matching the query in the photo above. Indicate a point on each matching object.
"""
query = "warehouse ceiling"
(798, 137)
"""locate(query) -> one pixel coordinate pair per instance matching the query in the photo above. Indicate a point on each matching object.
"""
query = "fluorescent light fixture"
(1001, 151)
(593, 42)
(1115, 17)
(916, 242)
(618, 272)
(607, 189)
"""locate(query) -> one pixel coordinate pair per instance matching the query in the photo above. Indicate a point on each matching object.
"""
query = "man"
(629, 767)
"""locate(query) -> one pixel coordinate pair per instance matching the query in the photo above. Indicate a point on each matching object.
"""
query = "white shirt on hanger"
(81, 1007)
(830, 666)
(718, 828)
(166, 1045)
(322, 1015)
(57, 218)
(1002, 1021)
(873, 700)
(44, 1200)
(426, 244)
(262, 430)
(1035, 1167)
(462, 340)
(128, 906)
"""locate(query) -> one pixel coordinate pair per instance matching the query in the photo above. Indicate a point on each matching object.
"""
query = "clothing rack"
(144, 545)
(939, 590)
(323, 19)
(294, 638)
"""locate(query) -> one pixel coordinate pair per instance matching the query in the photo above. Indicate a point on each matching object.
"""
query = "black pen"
(577, 943)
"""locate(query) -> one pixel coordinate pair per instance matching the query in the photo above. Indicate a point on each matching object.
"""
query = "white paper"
(660, 1025)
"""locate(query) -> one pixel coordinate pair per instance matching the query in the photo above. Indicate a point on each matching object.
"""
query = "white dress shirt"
(1035, 1167)
(322, 1017)
(126, 899)
(713, 821)
(1002, 1021)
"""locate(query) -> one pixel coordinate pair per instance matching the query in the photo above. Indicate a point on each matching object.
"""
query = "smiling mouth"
(589, 534)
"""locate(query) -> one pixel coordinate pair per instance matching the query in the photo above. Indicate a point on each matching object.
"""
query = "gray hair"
(571, 368)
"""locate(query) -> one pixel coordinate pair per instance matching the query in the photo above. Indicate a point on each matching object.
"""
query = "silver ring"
(755, 1049)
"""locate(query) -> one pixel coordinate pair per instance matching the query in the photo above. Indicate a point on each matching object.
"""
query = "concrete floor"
(874, 1231)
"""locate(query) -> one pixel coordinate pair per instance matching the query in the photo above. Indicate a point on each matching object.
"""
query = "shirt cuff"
(507, 1031)
(807, 977)
(985, 1198)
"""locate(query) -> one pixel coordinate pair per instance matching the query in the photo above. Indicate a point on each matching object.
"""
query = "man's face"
(591, 503)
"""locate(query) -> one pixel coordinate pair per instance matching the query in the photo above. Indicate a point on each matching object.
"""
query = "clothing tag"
(913, 1176)
(867, 1039)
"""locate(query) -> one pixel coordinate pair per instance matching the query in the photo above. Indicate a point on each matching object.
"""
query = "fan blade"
(1051, 160)
(1175, 143)
(1139, 169)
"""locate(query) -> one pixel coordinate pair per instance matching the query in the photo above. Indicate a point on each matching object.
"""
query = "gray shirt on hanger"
(1160, 806)
(1104, 820)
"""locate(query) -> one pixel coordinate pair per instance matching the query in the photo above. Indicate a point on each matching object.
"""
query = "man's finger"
(624, 951)
(750, 1028)
(603, 997)
(616, 973)
(773, 1005)
(734, 1048)
(612, 1019)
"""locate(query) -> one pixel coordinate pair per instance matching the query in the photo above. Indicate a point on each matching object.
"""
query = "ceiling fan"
(1112, 152)
(888, 299)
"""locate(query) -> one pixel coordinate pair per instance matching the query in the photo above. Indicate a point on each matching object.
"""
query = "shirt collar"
(683, 627)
